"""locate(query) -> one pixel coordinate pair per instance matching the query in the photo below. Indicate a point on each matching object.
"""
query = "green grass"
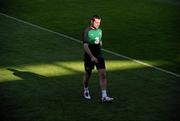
(41, 73)
(141, 29)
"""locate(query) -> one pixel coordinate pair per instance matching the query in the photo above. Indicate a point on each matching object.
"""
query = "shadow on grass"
(38, 97)
(25, 75)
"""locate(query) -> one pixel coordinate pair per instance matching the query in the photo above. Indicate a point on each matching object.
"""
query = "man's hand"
(94, 59)
(101, 43)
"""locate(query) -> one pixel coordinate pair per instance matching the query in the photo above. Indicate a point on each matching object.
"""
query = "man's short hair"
(95, 17)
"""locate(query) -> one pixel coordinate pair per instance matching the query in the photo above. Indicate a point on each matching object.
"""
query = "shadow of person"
(25, 75)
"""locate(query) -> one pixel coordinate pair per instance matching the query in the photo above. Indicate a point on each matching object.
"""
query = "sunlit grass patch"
(67, 68)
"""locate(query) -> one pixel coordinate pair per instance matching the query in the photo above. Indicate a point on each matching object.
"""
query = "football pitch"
(41, 65)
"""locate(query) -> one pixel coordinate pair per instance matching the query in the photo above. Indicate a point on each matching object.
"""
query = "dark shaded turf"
(142, 29)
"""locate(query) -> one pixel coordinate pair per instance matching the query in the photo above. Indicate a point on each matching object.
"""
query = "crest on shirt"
(97, 40)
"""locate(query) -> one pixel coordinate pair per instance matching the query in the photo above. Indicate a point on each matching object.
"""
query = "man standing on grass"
(92, 44)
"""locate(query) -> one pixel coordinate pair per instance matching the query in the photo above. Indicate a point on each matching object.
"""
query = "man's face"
(96, 23)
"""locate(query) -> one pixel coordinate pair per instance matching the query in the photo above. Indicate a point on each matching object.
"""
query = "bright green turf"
(41, 73)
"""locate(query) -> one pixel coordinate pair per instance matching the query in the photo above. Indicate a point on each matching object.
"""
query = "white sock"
(104, 93)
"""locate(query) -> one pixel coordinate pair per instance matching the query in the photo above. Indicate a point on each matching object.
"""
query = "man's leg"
(102, 78)
(103, 85)
(86, 79)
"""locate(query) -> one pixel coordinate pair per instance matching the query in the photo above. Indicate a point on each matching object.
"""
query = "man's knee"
(102, 74)
(88, 70)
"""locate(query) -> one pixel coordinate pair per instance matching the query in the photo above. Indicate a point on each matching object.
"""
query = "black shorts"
(89, 65)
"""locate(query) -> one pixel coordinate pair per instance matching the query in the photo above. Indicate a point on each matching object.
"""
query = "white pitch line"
(105, 50)
(142, 63)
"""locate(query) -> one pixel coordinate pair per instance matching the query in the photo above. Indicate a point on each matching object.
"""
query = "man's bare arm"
(87, 50)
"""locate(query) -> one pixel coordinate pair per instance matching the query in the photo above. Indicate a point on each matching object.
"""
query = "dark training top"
(93, 37)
